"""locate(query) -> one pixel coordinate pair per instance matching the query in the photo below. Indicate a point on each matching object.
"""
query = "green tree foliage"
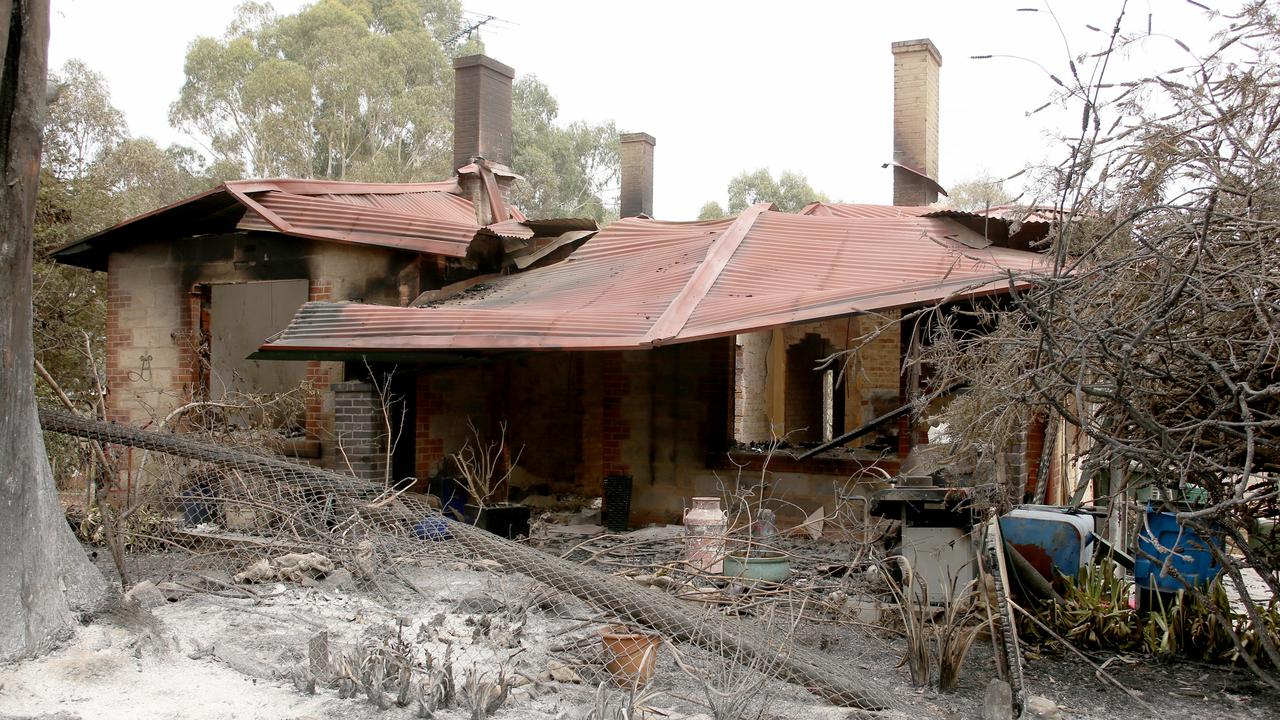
(789, 193)
(93, 175)
(567, 170)
(363, 90)
(978, 194)
(348, 89)
(711, 211)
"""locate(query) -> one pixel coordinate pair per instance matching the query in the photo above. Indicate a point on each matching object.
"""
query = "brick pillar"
(1034, 443)
(119, 335)
(192, 347)
(429, 449)
(616, 428)
(360, 430)
(916, 66)
(636, 197)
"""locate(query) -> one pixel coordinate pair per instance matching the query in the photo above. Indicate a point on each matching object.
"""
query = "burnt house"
(664, 351)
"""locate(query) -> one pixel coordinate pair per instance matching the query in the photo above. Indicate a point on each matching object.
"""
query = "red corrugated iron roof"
(446, 228)
(641, 283)
(858, 211)
(420, 217)
(1009, 213)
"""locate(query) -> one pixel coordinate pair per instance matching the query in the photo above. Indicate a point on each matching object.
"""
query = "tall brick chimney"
(636, 196)
(481, 110)
(916, 65)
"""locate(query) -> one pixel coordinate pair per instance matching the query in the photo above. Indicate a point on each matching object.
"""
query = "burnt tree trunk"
(44, 574)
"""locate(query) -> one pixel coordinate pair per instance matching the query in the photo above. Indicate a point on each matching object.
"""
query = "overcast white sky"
(723, 86)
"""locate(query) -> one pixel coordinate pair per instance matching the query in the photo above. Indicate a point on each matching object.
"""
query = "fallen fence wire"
(292, 504)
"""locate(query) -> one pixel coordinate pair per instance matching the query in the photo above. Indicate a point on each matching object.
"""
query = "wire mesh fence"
(273, 520)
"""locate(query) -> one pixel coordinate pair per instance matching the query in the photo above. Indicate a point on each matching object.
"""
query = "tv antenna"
(473, 24)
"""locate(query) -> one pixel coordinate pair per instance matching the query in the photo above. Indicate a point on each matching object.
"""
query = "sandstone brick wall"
(870, 375)
(147, 312)
(155, 298)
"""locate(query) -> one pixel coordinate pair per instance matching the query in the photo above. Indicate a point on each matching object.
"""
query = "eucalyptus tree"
(363, 90)
(790, 192)
(44, 575)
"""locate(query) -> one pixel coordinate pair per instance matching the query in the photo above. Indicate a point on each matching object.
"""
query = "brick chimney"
(636, 197)
(916, 65)
(481, 110)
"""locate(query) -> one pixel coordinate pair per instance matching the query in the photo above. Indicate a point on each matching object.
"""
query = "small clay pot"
(630, 657)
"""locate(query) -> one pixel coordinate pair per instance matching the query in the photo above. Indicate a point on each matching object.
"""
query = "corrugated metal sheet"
(642, 282)
(421, 217)
(367, 221)
(856, 211)
(1008, 213)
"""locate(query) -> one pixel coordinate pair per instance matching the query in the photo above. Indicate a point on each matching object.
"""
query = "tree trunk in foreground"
(44, 574)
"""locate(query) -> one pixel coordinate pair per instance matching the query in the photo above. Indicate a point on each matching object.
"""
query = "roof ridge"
(312, 186)
(677, 314)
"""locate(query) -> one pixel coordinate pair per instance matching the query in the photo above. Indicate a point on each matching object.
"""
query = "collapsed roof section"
(643, 283)
(417, 217)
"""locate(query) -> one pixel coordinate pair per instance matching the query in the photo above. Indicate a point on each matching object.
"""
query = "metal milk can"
(704, 529)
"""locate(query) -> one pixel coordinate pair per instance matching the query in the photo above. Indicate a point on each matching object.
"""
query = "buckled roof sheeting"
(642, 283)
(420, 217)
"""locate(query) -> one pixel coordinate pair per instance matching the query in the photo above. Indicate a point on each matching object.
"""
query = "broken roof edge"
(308, 186)
(296, 185)
(411, 344)
(436, 245)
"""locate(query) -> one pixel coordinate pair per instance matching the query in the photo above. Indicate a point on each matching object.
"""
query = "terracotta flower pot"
(631, 657)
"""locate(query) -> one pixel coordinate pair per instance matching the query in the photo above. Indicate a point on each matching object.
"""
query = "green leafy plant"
(1095, 613)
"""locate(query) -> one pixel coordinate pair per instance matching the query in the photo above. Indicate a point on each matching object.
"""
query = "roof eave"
(72, 252)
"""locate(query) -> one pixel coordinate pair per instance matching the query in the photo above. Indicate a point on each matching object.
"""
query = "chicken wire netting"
(274, 520)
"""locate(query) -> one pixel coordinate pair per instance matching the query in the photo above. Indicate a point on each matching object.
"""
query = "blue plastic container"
(432, 527)
(1192, 559)
(1052, 539)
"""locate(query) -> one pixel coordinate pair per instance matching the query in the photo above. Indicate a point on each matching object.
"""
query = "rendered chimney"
(636, 197)
(916, 66)
(481, 110)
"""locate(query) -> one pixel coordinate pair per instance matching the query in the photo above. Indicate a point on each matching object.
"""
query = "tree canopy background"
(789, 193)
(363, 90)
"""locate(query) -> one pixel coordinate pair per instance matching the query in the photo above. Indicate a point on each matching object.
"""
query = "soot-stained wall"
(155, 299)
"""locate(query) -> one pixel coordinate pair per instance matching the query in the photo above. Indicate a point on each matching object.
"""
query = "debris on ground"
(294, 567)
